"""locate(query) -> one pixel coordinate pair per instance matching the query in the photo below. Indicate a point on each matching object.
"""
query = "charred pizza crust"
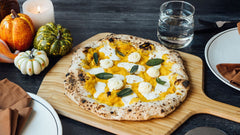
(75, 79)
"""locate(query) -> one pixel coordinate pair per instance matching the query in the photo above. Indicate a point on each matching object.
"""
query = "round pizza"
(123, 77)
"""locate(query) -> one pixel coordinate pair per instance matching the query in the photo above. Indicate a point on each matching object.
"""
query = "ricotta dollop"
(153, 72)
(114, 84)
(106, 63)
(144, 87)
(134, 57)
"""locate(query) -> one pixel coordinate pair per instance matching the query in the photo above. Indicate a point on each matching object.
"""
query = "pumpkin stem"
(31, 54)
(59, 34)
(14, 14)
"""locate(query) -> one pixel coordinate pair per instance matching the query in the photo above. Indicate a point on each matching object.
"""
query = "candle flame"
(38, 9)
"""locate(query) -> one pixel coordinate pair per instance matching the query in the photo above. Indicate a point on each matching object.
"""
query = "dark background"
(85, 18)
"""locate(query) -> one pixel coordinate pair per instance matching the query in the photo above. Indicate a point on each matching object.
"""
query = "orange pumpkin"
(17, 31)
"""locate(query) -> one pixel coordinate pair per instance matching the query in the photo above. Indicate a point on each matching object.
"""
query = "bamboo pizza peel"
(52, 90)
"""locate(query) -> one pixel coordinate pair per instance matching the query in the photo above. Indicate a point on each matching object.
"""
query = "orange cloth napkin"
(238, 27)
(231, 72)
(14, 110)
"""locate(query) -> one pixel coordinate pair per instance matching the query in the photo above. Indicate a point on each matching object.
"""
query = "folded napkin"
(14, 110)
(238, 27)
(231, 72)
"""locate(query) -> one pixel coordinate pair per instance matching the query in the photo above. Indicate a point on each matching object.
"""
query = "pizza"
(123, 77)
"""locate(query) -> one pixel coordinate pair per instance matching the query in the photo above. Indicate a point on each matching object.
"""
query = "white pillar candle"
(40, 11)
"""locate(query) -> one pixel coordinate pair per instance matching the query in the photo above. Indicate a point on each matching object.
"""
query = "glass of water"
(176, 23)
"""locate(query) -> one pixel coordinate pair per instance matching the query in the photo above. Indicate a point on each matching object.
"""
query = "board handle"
(219, 109)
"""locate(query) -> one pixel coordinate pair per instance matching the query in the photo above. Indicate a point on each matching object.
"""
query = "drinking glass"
(176, 23)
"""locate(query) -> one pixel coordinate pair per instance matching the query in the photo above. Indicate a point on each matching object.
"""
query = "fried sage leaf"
(120, 53)
(104, 76)
(124, 92)
(134, 69)
(159, 81)
(154, 62)
(95, 57)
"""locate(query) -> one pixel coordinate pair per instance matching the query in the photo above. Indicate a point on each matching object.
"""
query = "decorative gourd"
(31, 62)
(53, 39)
(6, 56)
(6, 6)
(17, 31)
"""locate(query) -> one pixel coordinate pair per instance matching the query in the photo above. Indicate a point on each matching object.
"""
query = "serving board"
(52, 90)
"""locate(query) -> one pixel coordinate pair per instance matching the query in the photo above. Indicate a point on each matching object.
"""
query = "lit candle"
(40, 11)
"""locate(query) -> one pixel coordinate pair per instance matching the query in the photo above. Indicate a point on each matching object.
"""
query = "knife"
(210, 26)
(218, 24)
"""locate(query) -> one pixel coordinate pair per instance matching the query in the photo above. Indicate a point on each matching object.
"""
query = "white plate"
(43, 119)
(223, 48)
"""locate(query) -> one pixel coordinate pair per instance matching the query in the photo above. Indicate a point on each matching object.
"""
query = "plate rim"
(206, 50)
(51, 110)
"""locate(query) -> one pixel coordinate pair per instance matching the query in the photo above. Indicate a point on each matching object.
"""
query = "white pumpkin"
(31, 62)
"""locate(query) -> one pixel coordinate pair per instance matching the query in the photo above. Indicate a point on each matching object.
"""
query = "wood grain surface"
(52, 90)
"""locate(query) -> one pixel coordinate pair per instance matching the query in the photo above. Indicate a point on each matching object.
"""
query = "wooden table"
(87, 18)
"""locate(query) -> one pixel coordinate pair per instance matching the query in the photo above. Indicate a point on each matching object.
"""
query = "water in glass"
(175, 28)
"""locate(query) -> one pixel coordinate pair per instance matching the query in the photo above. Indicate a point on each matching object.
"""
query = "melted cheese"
(151, 95)
(127, 99)
(100, 88)
(133, 79)
(88, 62)
(162, 88)
(82, 55)
(156, 54)
(121, 77)
(128, 67)
(110, 52)
(94, 70)
(120, 70)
